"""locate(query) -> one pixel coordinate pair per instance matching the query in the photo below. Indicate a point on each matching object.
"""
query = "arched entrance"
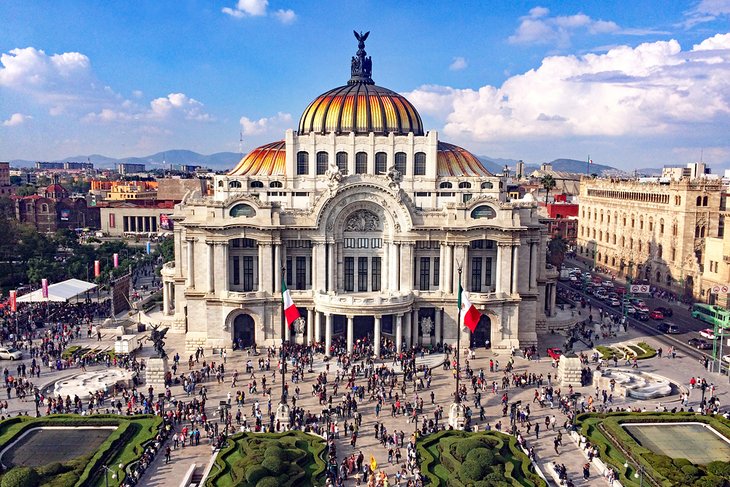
(482, 333)
(243, 332)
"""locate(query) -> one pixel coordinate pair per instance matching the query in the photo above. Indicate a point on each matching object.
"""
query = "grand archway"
(482, 333)
(243, 332)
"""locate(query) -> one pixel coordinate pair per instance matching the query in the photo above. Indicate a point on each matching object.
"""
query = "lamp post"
(114, 474)
(639, 474)
(457, 416)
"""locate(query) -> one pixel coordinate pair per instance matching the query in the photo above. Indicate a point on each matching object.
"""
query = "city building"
(565, 182)
(693, 170)
(134, 218)
(563, 219)
(125, 168)
(371, 221)
(4, 174)
(53, 208)
(44, 166)
(654, 231)
(132, 190)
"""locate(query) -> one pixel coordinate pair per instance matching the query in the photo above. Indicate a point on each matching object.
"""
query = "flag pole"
(588, 166)
(457, 397)
(283, 333)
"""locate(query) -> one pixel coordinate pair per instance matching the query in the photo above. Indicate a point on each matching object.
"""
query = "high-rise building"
(125, 168)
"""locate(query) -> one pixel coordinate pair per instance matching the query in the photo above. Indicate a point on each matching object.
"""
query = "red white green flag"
(290, 311)
(469, 314)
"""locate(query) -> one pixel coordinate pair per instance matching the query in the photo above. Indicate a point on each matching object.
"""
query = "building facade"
(654, 231)
(370, 221)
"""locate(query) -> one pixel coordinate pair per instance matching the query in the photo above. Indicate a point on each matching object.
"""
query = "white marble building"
(371, 217)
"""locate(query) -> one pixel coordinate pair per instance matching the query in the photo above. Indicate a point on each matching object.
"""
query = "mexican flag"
(290, 311)
(469, 314)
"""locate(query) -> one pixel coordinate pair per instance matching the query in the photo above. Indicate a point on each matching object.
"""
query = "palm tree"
(548, 182)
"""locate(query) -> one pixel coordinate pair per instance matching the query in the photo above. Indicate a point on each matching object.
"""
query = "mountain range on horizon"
(226, 160)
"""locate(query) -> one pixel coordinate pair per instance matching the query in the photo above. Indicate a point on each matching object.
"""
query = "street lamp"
(114, 474)
(639, 474)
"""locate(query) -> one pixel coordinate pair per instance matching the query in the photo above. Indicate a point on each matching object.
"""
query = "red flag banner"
(116, 260)
(97, 268)
(44, 288)
(13, 301)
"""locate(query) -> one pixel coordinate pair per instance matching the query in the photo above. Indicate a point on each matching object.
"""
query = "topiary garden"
(486, 459)
(288, 459)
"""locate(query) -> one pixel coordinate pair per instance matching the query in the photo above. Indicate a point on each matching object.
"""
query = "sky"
(630, 84)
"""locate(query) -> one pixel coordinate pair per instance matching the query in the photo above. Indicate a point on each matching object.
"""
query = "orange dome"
(453, 160)
(267, 160)
(361, 108)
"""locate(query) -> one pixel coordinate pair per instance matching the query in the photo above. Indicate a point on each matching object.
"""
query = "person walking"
(167, 454)
(586, 471)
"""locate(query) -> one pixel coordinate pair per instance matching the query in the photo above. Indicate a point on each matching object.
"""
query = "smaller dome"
(267, 160)
(453, 160)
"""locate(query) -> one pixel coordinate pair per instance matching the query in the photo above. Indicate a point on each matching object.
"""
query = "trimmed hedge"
(488, 458)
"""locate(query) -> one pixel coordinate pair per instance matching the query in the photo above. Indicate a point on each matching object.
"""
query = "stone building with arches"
(368, 218)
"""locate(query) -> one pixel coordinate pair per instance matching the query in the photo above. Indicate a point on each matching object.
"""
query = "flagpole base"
(457, 416)
(282, 417)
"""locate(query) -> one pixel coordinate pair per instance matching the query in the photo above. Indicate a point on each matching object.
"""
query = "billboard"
(120, 293)
(165, 222)
(65, 214)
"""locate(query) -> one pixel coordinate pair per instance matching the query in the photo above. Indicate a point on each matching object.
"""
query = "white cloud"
(458, 64)
(652, 89)
(16, 119)
(274, 125)
(537, 27)
(706, 11)
(258, 8)
(170, 107)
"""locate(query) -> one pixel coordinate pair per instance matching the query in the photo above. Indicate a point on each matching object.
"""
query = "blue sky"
(633, 84)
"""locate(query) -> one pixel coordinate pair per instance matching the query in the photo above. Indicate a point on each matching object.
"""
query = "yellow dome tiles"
(362, 109)
(267, 160)
(453, 160)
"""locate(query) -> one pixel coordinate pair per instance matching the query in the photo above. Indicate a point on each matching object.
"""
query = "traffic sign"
(639, 289)
(717, 289)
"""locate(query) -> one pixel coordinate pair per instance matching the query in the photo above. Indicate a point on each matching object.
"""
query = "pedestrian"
(167, 454)
(586, 471)
(537, 431)
(556, 443)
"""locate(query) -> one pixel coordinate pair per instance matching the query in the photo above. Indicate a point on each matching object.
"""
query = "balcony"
(360, 304)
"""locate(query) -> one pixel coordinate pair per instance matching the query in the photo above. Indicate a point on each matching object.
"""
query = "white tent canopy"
(59, 292)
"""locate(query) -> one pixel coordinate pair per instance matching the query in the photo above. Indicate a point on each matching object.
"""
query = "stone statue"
(426, 325)
(394, 178)
(362, 221)
(334, 176)
(158, 339)
(361, 67)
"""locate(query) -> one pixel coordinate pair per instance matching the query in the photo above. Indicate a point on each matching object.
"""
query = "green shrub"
(710, 481)
(471, 471)
(268, 482)
(463, 447)
(254, 473)
(721, 469)
(20, 477)
(51, 469)
(275, 451)
(272, 464)
(482, 456)
(691, 470)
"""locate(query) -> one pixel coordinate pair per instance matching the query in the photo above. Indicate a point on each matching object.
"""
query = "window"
(488, 271)
(113, 220)
(234, 184)
(236, 271)
(242, 209)
(487, 185)
(361, 163)
(342, 162)
(381, 163)
(424, 283)
(257, 184)
(721, 227)
(659, 252)
(464, 185)
(483, 211)
(362, 274)
(322, 162)
(248, 273)
(704, 201)
(44, 208)
(446, 185)
(289, 273)
(476, 274)
(400, 162)
(349, 274)
(436, 271)
(302, 162)
(661, 226)
(301, 280)
(699, 201)
(419, 164)
(275, 184)
(375, 281)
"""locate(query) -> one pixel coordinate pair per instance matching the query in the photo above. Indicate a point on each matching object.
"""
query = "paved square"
(694, 441)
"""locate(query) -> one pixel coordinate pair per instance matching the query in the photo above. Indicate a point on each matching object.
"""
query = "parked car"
(641, 315)
(615, 302)
(668, 328)
(656, 315)
(708, 333)
(10, 354)
(699, 344)
(630, 309)
(554, 353)
(665, 311)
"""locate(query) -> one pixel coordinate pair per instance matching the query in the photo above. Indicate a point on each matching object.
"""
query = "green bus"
(714, 315)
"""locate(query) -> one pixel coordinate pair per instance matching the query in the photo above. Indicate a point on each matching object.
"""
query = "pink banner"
(116, 260)
(44, 288)
(97, 268)
(13, 301)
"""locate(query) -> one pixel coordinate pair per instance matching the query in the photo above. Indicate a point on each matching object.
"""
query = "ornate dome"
(453, 160)
(267, 160)
(360, 106)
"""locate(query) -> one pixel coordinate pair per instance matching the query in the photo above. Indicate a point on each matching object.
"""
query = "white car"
(630, 310)
(708, 333)
(10, 354)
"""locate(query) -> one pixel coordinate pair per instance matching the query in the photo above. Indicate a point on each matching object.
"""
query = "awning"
(59, 292)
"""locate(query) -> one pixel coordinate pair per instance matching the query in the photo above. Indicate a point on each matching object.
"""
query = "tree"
(556, 251)
(548, 183)
(26, 190)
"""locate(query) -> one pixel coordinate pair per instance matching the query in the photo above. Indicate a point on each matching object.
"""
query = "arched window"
(275, 184)
(419, 164)
(220, 184)
(608, 217)
(651, 224)
(400, 162)
(487, 185)
(257, 184)
(623, 241)
(483, 211)
(641, 223)
(242, 209)
(464, 185)
(677, 200)
(699, 201)
(659, 252)
(234, 184)
(601, 216)
(633, 221)
(322, 162)
(342, 162)
(446, 185)
(44, 208)
(29, 207)
(361, 163)
(704, 201)
(302, 162)
(640, 245)
(697, 231)
(658, 276)
(674, 229)
(381, 163)
(661, 226)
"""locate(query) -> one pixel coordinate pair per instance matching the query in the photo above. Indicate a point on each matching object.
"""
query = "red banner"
(116, 260)
(97, 268)
(44, 288)
(13, 301)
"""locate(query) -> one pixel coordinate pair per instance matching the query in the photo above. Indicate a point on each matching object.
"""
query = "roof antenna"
(702, 155)
(240, 143)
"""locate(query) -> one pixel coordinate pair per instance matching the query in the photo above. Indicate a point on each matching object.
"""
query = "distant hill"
(576, 166)
(217, 161)
(496, 165)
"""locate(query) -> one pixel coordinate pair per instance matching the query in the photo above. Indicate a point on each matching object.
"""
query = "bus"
(714, 315)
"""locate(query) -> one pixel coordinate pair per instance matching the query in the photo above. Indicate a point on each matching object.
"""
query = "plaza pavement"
(679, 370)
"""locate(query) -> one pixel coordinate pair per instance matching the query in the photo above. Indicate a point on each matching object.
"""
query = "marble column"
(515, 269)
(191, 263)
(331, 274)
(407, 330)
(449, 269)
(320, 266)
(414, 327)
(504, 261)
(406, 266)
(260, 265)
(393, 267)
(350, 333)
(437, 325)
(267, 270)
(177, 238)
(166, 298)
(211, 267)
(442, 261)
(310, 323)
(221, 261)
(533, 265)
(317, 326)
(278, 265)
(398, 332)
(385, 271)
(327, 334)
(376, 335)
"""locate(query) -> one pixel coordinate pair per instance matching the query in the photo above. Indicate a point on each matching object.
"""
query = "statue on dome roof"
(361, 67)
